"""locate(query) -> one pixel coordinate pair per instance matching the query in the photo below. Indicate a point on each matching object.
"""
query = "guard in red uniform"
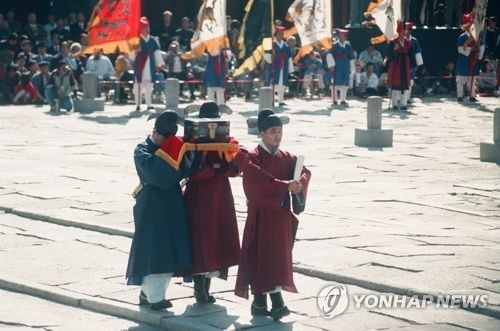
(398, 76)
(266, 254)
(211, 216)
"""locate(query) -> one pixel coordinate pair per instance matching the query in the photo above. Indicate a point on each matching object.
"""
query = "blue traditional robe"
(281, 56)
(465, 64)
(215, 71)
(148, 49)
(161, 239)
(342, 56)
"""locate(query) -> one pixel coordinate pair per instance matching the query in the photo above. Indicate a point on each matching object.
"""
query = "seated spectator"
(422, 84)
(440, 16)
(383, 86)
(61, 85)
(179, 68)
(25, 92)
(371, 55)
(368, 85)
(313, 70)
(4, 28)
(8, 83)
(32, 68)
(184, 35)
(41, 79)
(102, 67)
(61, 30)
(55, 49)
(26, 50)
(49, 26)
(446, 84)
(21, 64)
(34, 30)
(487, 79)
(125, 79)
(42, 55)
(77, 61)
(167, 30)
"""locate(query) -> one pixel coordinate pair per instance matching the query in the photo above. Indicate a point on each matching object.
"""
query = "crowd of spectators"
(44, 63)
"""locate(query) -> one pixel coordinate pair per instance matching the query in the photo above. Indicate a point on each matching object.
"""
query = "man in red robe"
(398, 76)
(266, 254)
(211, 216)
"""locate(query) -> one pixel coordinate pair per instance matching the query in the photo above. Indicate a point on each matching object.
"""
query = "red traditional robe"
(398, 77)
(211, 216)
(266, 253)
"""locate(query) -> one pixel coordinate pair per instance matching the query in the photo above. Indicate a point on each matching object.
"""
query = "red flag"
(114, 24)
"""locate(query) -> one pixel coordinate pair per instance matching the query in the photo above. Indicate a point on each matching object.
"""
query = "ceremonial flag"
(313, 23)
(256, 34)
(210, 34)
(386, 14)
(479, 13)
(114, 24)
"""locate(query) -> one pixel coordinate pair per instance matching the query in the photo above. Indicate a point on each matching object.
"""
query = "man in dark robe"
(266, 254)
(398, 53)
(161, 244)
(211, 215)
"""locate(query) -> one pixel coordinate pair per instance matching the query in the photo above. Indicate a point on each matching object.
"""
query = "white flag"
(387, 13)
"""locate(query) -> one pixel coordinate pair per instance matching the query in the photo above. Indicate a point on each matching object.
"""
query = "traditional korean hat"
(342, 32)
(409, 26)
(268, 119)
(209, 109)
(280, 28)
(166, 123)
(143, 22)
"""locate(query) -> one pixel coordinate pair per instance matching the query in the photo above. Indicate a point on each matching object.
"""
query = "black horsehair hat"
(166, 123)
(268, 119)
(209, 109)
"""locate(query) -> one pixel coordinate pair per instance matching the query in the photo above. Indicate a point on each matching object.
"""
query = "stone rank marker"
(490, 152)
(90, 102)
(374, 135)
(172, 89)
(266, 98)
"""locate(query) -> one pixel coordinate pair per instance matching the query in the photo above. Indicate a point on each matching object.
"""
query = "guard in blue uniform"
(282, 64)
(340, 60)
(468, 61)
(416, 59)
(161, 244)
(214, 79)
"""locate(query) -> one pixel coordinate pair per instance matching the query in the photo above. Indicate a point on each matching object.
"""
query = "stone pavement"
(420, 217)
(38, 314)
(85, 269)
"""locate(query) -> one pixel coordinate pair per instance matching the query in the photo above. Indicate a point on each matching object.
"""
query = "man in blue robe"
(468, 61)
(161, 244)
(416, 59)
(341, 61)
(146, 60)
(281, 64)
(214, 79)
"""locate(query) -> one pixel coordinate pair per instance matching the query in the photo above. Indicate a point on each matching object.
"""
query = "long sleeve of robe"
(266, 254)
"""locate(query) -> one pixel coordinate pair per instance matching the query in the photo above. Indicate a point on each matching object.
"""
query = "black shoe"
(344, 103)
(161, 305)
(281, 104)
(211, 298)
(335, 103)
(192, 97)
(151, 108)
(404, 108)
(137, 108)
(473, 99)
(200, 292)
(143, 300)
(396, 108)
(460, 99)
(409, 102)
(279, 313)
(259, 305)
(279, 309)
